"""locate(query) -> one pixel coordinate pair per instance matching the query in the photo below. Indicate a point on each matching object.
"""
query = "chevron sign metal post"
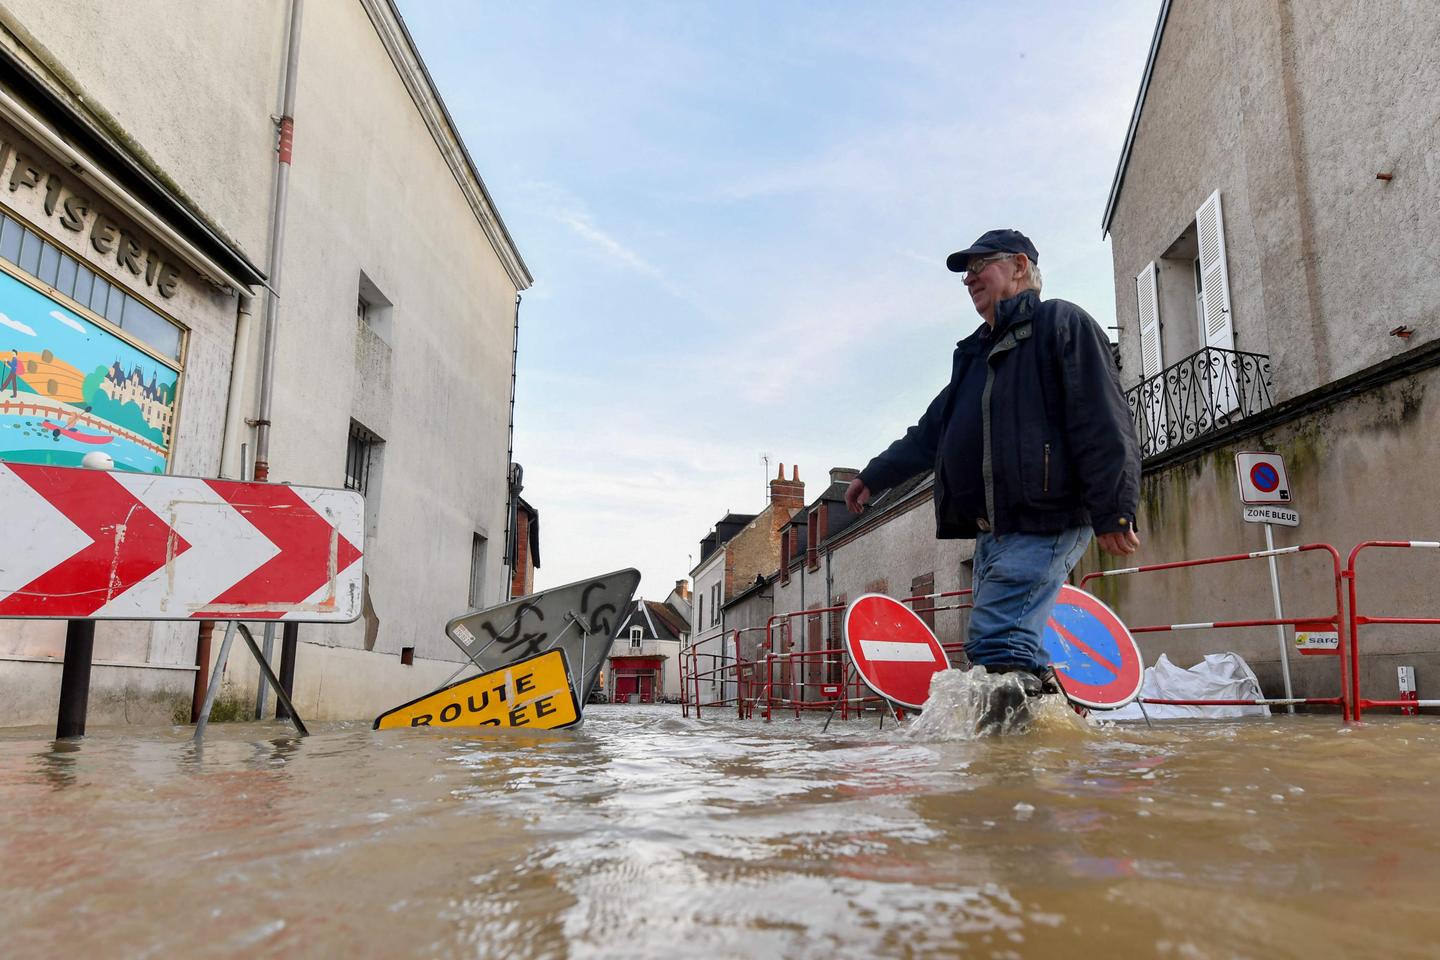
(96, 545)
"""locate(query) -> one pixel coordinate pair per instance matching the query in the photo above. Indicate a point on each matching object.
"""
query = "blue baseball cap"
(993, 241)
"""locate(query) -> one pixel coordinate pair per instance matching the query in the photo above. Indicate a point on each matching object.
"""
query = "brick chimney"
(843, 474)
(682, 587)
(787, 497)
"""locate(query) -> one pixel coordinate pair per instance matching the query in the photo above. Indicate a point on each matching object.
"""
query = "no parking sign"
(1092, 651)
(1262, 478)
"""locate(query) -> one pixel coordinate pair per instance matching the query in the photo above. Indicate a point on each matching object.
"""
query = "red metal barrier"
(1337, 619)
(721, 669)
(1357, 619)
(755, 680)
(853, 696)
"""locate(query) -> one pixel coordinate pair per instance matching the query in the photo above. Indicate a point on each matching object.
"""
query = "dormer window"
(636, 635)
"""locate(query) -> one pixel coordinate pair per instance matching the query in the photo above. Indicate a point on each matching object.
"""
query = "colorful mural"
(67, 387)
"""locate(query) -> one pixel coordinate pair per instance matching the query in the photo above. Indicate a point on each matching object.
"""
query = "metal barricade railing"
(755, 681)
(850, 695)
(720, 669)
(1337, 619)
(1357, 620)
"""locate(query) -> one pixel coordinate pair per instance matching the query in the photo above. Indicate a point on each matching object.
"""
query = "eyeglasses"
(976, 264)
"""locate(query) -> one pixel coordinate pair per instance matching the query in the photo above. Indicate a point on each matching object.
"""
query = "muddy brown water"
(646, 834)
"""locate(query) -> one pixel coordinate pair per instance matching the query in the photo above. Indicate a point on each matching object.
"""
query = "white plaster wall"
(704, 638)
(336, 683)
(670, 649)
(370, 192)
(119, 693)
(192, 86)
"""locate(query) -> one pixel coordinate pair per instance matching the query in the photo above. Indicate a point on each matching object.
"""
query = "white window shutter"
(1148, 295)
(1218, 330)
(1154, 432)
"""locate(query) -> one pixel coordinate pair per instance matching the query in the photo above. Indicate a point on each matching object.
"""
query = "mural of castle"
(153, 398)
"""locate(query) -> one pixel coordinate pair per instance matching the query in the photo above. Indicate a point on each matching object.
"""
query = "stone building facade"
(1274, 219)
(738, 552)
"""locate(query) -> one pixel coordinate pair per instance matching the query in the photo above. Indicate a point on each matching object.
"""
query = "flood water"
(645, 834)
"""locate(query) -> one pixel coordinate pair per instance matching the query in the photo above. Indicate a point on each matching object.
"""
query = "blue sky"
(737, 215)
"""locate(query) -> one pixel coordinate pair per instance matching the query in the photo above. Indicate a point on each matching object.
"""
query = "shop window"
(56, 269)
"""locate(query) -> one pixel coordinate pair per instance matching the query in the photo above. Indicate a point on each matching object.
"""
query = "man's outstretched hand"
(1122, 542)
(857, 495)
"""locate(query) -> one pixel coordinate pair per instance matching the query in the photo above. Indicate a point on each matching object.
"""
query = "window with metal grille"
(359, 456)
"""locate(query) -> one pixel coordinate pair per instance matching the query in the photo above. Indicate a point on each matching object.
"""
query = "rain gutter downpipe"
(277, 245)
(513, 474)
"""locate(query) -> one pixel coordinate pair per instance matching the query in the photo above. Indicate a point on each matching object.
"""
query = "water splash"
(961, 703)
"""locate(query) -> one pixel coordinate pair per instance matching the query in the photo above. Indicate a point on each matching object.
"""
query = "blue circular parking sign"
(1265, 477)
(1093, 653)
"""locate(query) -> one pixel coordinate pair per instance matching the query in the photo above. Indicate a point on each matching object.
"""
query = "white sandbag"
(1220, 676)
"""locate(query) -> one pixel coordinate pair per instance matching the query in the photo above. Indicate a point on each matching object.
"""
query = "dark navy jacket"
(1059, 447)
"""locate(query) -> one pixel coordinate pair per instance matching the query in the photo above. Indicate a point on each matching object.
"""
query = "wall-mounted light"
(1387, 177)
(1403, 332)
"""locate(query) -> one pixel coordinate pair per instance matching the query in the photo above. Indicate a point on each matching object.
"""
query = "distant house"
(644, 662)
(829, 557)
(524, 548)
(739, 548)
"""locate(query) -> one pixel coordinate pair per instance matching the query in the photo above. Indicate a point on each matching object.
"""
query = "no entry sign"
(97, 545)
(1092, 652)
(894, 652)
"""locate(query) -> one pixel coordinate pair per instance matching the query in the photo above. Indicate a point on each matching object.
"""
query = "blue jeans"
(1017, 577)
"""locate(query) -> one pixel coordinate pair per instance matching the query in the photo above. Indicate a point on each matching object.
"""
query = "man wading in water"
(1032, 447)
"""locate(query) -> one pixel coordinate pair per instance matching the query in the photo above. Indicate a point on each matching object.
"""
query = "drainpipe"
(229, 434)
(512, 472)
(239, 360)
(277, 244)
(512, 526)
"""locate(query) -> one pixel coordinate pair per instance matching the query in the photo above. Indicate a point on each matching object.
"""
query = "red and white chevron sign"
(91, 544)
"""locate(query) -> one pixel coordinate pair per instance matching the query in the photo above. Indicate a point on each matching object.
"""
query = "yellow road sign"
(534, 692)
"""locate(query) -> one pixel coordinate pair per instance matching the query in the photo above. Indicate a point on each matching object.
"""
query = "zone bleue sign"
(101, 545)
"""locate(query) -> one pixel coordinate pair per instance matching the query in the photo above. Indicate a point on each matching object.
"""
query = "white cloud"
(68, 320)
(607, 244)
(16, 325)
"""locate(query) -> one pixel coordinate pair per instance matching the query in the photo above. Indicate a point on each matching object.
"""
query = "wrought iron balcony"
(1207, 391)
